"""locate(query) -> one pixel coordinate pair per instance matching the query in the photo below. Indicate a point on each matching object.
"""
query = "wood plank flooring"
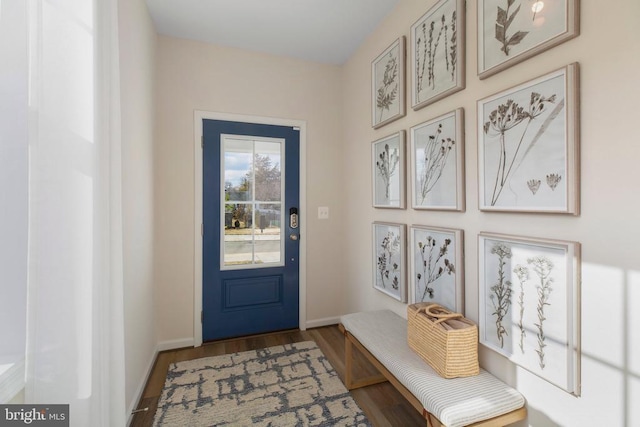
(382, 403)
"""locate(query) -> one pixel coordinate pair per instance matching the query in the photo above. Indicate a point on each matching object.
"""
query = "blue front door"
(250, 214)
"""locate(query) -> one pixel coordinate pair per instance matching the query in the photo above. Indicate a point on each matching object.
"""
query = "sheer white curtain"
(75, 339)
(13, 195)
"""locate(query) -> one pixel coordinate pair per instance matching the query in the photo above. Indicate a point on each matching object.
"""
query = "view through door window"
(252, 176)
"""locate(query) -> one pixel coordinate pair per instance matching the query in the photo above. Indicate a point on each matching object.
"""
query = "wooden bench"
(481, 400)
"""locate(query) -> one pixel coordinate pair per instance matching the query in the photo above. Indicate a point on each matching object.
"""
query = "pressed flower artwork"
(437, 47)
(529, 304)
(436, 264)
(388, 171)
(437, 163)
(528, 146)
(510, 31)
(388, 87)
(389, 259)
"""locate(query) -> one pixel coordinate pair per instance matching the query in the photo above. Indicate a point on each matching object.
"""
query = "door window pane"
(238, 236)
(238, 177)
(267, 171)
(252, 174)
(268, 232)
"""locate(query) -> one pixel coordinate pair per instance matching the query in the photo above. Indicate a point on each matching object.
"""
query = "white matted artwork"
(388, 85)
(511, 31)
(528, 146)
(389, 259)
(530, 304)
(436, 266)
(388, 171)
(437, 163)
(438, 53)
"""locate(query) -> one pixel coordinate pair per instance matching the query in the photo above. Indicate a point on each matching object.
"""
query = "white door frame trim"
(199, 116)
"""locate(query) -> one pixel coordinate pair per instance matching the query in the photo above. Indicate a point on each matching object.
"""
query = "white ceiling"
(326, 31)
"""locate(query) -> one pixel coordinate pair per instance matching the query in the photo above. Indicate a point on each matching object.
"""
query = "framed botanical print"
(438, 53)
(437, 163)
(389, 259)
(388, 171)
(528, 146)
(436, 266)
(530, 304)
(511, 31)
(388, 85)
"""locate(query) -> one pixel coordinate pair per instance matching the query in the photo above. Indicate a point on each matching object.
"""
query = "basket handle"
(442, 315)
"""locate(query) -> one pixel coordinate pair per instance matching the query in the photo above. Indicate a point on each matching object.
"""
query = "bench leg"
(350, 383)
(431, 420)
(348, 357)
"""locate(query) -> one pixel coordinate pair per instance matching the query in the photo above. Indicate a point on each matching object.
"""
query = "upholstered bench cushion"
(455, 402)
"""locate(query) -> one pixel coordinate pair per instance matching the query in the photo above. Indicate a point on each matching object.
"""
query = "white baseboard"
(173, 344)
(162, 346)
(189, 342)
(137, 396)
(316, 323)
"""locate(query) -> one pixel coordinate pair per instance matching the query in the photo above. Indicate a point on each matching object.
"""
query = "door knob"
(293, 236)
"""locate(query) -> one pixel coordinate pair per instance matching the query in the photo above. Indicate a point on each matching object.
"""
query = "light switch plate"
(323, 212)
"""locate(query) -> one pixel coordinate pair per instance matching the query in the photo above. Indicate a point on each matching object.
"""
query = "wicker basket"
(447, 341)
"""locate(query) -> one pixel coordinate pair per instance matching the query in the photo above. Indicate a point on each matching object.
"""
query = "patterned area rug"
(289, 385)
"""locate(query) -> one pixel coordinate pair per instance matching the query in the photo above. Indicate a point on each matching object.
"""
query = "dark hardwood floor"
(383, 405)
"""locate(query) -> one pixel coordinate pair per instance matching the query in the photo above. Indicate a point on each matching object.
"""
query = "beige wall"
(335, 103)
(137, 74)
(198, 76)
(608, 52)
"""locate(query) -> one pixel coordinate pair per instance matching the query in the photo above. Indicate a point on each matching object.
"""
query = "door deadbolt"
(293, 218)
